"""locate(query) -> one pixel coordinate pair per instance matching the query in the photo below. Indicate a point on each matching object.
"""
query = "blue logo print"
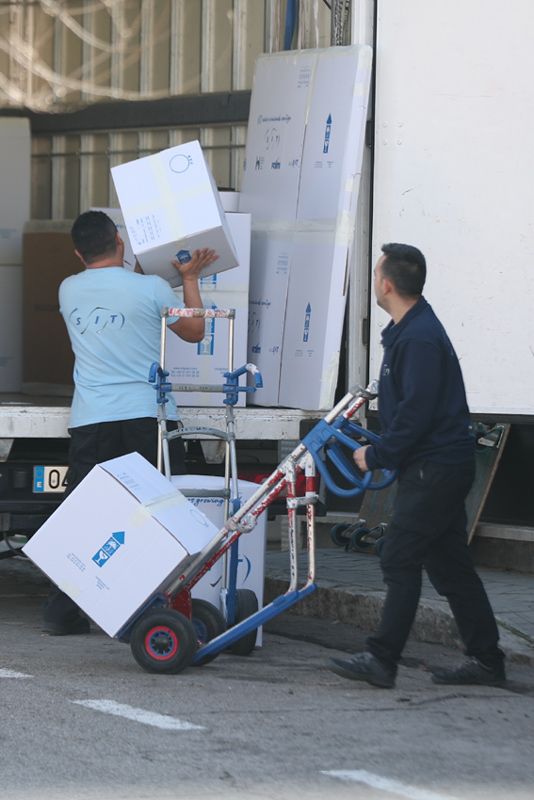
(183, 256)
(108, 549)
(244, 566)
(97, 319)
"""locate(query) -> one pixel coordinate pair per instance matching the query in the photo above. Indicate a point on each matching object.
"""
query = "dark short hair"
(94, 235)
(405, 266)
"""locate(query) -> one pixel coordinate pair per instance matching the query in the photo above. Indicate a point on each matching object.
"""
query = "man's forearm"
(193, 327)
(192, 298)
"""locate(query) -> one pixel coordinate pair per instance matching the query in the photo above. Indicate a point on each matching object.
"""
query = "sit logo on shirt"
(97, 319)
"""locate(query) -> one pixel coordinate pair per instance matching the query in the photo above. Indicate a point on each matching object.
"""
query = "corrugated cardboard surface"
(48, 258)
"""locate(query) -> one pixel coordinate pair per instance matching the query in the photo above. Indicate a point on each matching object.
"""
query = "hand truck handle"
(320, 445)
(205, 313)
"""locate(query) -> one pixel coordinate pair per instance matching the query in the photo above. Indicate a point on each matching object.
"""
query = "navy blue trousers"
(428, 531)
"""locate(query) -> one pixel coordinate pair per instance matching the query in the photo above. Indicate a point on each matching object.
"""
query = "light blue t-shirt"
(113, 318)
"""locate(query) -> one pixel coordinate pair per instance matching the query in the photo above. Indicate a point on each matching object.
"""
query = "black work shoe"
(364, 667)
(471, 672)
(74, 628)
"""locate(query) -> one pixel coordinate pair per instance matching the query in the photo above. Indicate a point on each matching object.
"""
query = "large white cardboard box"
(314, 321)
(118, 539)
(251, 546)
(275, 135)
(15, 169)
(335, 135)
(207, 361)
(271, 255)
(171, 207)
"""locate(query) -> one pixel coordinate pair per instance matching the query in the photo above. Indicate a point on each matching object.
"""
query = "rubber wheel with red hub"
(163, 641)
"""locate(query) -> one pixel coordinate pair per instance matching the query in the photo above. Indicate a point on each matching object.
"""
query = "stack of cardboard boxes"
(171, 207)
(303, 163)
(206, 362)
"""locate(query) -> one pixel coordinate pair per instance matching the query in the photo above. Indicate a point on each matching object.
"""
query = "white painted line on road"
(386, 784)
(10, 673)
(162, 721)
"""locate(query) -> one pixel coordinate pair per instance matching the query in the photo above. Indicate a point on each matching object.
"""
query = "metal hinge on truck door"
(365, 331)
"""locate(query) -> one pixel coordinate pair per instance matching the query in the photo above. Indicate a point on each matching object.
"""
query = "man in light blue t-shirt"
(113, 319)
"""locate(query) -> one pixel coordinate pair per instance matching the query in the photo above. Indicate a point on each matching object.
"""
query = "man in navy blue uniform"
(426, 436)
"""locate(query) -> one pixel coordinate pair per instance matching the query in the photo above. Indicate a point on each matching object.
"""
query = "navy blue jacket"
(421, 398)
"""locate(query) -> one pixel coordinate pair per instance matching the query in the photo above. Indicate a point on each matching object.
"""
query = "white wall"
(454, 175)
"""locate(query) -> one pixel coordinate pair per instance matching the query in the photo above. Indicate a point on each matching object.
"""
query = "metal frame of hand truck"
(231, 389)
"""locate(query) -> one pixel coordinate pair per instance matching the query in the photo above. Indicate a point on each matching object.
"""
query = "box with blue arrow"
(118, 539)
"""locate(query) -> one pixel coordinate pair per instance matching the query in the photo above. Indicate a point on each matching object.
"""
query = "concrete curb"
(434, 623)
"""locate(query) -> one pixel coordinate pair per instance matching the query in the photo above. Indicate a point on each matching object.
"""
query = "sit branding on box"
(171, 207)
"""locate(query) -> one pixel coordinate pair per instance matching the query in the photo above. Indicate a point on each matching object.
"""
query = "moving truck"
(447, 166)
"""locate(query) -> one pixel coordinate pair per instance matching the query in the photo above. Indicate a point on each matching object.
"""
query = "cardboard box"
(118, 539)
(170, 204)
(335, 136)
(206, 362)
(275, 135)
(251, 546)
(48, 258)
(11, 316)
(15, 168)
(271, 255)
(237, 279)
(318, 207)
(229, 201)
(314, 322)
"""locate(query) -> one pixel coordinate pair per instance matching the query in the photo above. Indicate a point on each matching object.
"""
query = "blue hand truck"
(175, 632)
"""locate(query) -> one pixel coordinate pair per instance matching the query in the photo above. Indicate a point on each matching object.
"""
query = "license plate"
(49, 479)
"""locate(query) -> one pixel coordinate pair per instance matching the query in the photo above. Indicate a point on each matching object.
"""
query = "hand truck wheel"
(163, 641)
(208, 623)
(336, 534)
(246, 605)
(359, 543)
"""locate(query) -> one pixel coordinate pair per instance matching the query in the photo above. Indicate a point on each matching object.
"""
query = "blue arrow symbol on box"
(307, 321)
(109, 548)
(327, 133)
